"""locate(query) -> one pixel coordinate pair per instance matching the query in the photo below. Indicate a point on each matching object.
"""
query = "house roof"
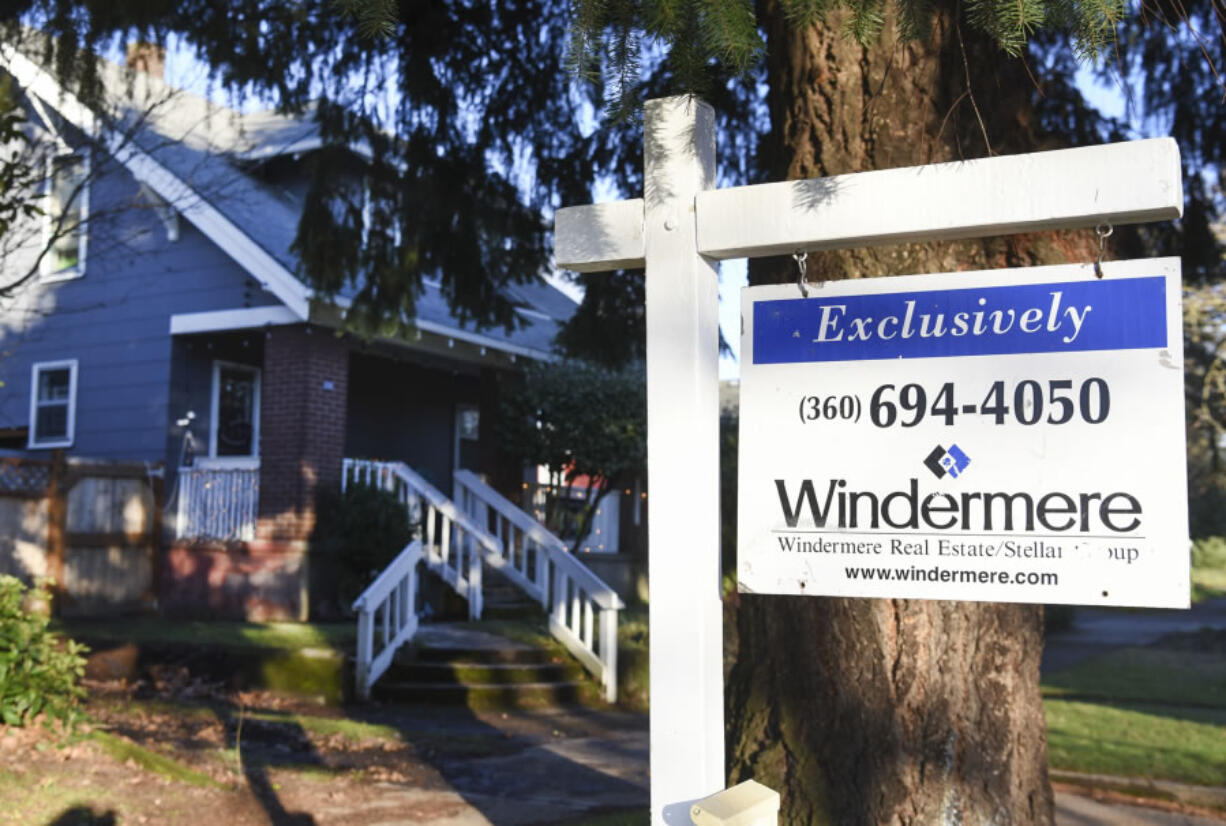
(198, 156)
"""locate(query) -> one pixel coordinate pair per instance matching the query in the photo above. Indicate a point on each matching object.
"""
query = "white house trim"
(483, 341)
(305, 144)
(237, 319)
(262, 265)
(71, 429)
(49, 124)
(449, 332)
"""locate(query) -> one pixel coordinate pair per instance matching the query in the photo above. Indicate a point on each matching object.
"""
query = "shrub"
(39, 669)
(357, 534)
(1209, 552)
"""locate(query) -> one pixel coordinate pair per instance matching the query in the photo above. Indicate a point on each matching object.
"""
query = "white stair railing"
(528, 553)
(389, 603)
(453, 545)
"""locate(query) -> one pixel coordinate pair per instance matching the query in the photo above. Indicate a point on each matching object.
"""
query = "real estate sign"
(1008, 435)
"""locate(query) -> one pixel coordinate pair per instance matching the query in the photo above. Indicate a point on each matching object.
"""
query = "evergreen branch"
(731, 34)
(915, 19)
(375, 18)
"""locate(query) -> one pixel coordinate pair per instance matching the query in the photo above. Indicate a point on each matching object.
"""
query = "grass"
(1152, 675)
(1156, 712)
(352, 730)
(124, 750)
(1208, 568)
(1208, 583)
(287, 636)
(633, 673)
(1161, 742)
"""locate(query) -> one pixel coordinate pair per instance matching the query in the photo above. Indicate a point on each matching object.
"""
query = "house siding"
(406, 412)
(115, 320)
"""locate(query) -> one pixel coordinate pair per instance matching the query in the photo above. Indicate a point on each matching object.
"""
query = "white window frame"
(253, 459)
(32, 441)
(460, 409)
(83, 221)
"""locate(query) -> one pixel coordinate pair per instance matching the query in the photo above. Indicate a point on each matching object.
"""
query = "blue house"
(164, 322)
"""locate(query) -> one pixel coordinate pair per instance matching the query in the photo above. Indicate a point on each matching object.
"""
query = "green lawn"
(288, 636)
(1146, 675)
(1208, 568)
(124, 750)
(1161, 742)
(1156, 712)
(1208, 583)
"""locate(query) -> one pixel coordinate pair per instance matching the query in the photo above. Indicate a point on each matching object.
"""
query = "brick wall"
(303, 394)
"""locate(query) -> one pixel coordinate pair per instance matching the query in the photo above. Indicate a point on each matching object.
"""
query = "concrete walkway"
(1096, 631)
(1074, 810)
(566, 766)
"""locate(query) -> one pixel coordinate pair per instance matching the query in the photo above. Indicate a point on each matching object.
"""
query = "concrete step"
(480, 656)
(511, 609)
(460, 664)
(487, 696)
(461, 672)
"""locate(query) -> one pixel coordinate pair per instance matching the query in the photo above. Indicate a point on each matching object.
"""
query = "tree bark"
(894, 711)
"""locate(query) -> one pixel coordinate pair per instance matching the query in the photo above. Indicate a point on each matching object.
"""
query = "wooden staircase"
(498, 559)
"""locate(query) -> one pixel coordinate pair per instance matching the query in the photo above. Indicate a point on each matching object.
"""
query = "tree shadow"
(259, 745)
(83, 816)
(511, 766)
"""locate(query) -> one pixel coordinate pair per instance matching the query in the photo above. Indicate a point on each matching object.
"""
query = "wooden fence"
(93, 527)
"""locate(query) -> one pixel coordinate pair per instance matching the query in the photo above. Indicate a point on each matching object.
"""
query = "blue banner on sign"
(1113, 314)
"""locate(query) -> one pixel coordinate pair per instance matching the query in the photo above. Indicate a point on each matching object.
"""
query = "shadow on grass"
(83, 816)
(251, 734)
(256, 745)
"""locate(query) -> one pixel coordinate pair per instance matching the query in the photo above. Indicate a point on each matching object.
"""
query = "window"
(65, 212)
(467, 436)
(53, 403)
(234, 430)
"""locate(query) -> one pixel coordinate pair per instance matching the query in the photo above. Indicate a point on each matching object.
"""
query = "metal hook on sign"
(1104, 231)
(802, 276)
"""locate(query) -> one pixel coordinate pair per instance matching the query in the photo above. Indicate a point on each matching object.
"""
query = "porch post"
(303, 394)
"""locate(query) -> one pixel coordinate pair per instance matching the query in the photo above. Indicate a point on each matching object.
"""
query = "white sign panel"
(1007, 435)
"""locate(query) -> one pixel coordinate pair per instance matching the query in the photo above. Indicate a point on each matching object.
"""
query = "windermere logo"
(944, 462)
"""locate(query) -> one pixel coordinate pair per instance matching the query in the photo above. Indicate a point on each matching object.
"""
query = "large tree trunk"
(902, 711)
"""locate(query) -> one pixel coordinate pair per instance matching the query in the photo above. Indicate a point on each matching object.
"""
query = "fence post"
(57, 527)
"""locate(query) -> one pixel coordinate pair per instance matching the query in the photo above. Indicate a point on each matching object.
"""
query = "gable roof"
(192, 152)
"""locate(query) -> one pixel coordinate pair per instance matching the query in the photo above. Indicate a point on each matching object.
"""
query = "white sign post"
(678, 231)
(1009, 436)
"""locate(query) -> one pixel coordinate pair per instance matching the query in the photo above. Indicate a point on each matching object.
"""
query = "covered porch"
(264, 418)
